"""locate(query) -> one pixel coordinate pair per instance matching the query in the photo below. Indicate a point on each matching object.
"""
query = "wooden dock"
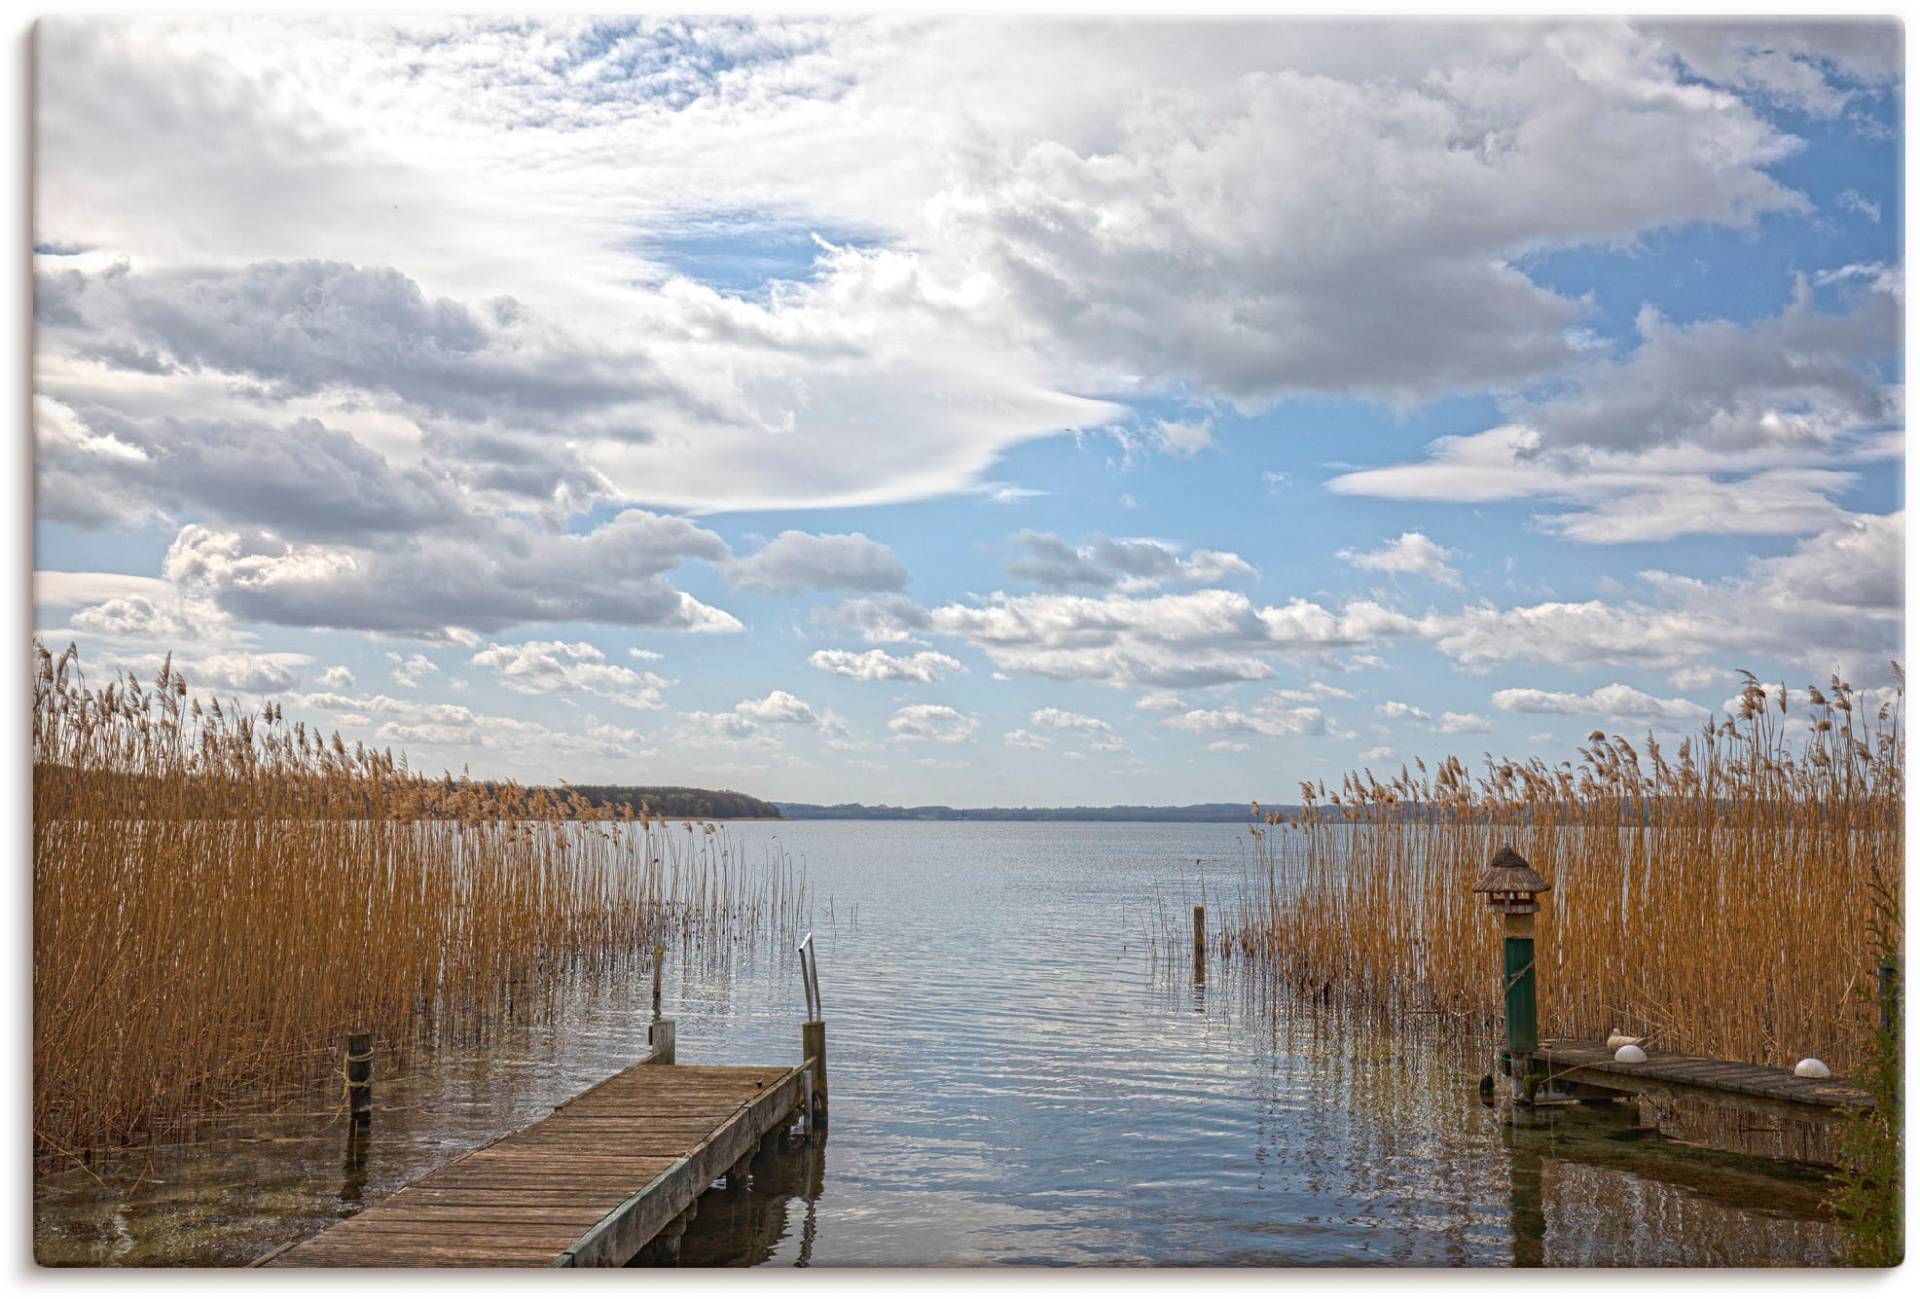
(589, 1186)
(1745, 1108)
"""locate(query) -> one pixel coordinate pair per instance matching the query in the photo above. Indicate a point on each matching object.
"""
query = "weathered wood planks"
(589, 1185)
(1744, 1108)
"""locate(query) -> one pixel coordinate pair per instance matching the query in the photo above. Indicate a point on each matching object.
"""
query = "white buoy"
(1630, 1054)
(1619, 1040)
(1811, 1068)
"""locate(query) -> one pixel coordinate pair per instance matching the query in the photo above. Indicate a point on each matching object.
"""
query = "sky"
(970, 411)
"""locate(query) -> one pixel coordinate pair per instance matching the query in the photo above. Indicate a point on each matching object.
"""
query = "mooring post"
(1893, 973)
(1200, 941)
(360, 1078)
(813, 1046)
(660, 1037)
(1513, 888)
(659, 955)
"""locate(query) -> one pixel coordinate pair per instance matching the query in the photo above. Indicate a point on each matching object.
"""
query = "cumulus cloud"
(881, 620)
(557, 667)
(1023, 739)
(1273, 716)
(1091, 731)
(337, 677)
(432, 583)
(1711, 427)
(1462, 724)
(1200, 638)
(1363, 202)
(1616, 702)
(1834, 601)
(803, 561)
(1122, 564)
(1412, 553)
(749, 724)
(410, 670)
(926, 667)
(932, 723)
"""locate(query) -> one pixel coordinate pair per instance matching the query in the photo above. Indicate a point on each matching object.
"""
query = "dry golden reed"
(220, 896)
(1722, 902)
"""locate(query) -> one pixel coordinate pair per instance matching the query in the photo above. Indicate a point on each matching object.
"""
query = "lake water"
(1016, 1079)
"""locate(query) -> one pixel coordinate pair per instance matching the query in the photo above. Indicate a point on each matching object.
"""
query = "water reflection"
(1016, 1079)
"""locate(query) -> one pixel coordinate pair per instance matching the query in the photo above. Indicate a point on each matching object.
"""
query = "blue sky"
(974, 411)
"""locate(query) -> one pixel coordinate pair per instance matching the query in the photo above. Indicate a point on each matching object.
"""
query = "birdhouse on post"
(1513, 889)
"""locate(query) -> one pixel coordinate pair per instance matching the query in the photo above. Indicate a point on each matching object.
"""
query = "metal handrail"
(810, 975)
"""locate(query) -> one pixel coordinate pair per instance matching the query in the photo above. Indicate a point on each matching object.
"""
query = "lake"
(1017, 1078)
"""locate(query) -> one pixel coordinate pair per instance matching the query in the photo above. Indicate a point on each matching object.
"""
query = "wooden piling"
(659, 955)
(660, 1037)
(1200, 941)
(359, 1071)
(1893, 973)
(813, 1046)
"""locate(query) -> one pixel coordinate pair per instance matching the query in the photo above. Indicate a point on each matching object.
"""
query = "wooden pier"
(591, 1185)
(1744, 1108)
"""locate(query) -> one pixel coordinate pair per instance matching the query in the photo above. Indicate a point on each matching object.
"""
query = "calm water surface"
(1016, 1080)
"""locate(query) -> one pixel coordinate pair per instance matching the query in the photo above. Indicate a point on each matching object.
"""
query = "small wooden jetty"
(1745, 1108)
(616, 1169)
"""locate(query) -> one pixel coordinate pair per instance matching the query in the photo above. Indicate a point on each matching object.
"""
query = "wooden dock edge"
(623, 1233)
(659, 1052)
(1722, 1105)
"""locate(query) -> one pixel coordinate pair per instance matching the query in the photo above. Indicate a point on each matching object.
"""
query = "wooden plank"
(588, 1185)
(641, 1217)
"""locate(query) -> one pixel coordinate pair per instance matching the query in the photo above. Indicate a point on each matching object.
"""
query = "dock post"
(1893, 973)
(813, 1046)
(360, 1078)
(1200, 942)
(1513, 888)
(660, 1037)
(659, 955)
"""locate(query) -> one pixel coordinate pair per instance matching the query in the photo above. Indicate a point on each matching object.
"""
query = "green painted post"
(1523, 1014)
(1513, 889)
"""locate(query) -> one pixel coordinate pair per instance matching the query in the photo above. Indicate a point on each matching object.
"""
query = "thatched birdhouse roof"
(1508, 872)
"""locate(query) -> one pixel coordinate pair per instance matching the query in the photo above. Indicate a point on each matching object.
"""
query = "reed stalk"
(220, 896)
(1720, 903)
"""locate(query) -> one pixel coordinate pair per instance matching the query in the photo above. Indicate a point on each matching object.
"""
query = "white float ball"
(1630, 1054)
(1811, 1068)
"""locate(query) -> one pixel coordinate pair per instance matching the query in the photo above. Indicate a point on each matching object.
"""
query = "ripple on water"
(1014, 1081)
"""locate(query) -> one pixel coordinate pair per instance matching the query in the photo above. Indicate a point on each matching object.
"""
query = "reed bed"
(220, 896)
(1722, 903)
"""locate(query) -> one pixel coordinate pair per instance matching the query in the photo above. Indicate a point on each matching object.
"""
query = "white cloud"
(557, 667)
(1095, 733)
(1713, 427)
(804, 561)
(409, 670)
(926, 667)
(1413, 553)
(1835, 601)
(1199, 638)
(1397, 710)
(1463, 724)
(1022, 739)
(1616, 701)
(1379, 753)
(1125, 564)
(1272, 716)
(746, 725)
(337, 677)
(1184, 438)
(1362, 204)
(935, 723)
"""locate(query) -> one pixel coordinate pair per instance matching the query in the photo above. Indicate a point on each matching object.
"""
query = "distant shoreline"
(1197, 813)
